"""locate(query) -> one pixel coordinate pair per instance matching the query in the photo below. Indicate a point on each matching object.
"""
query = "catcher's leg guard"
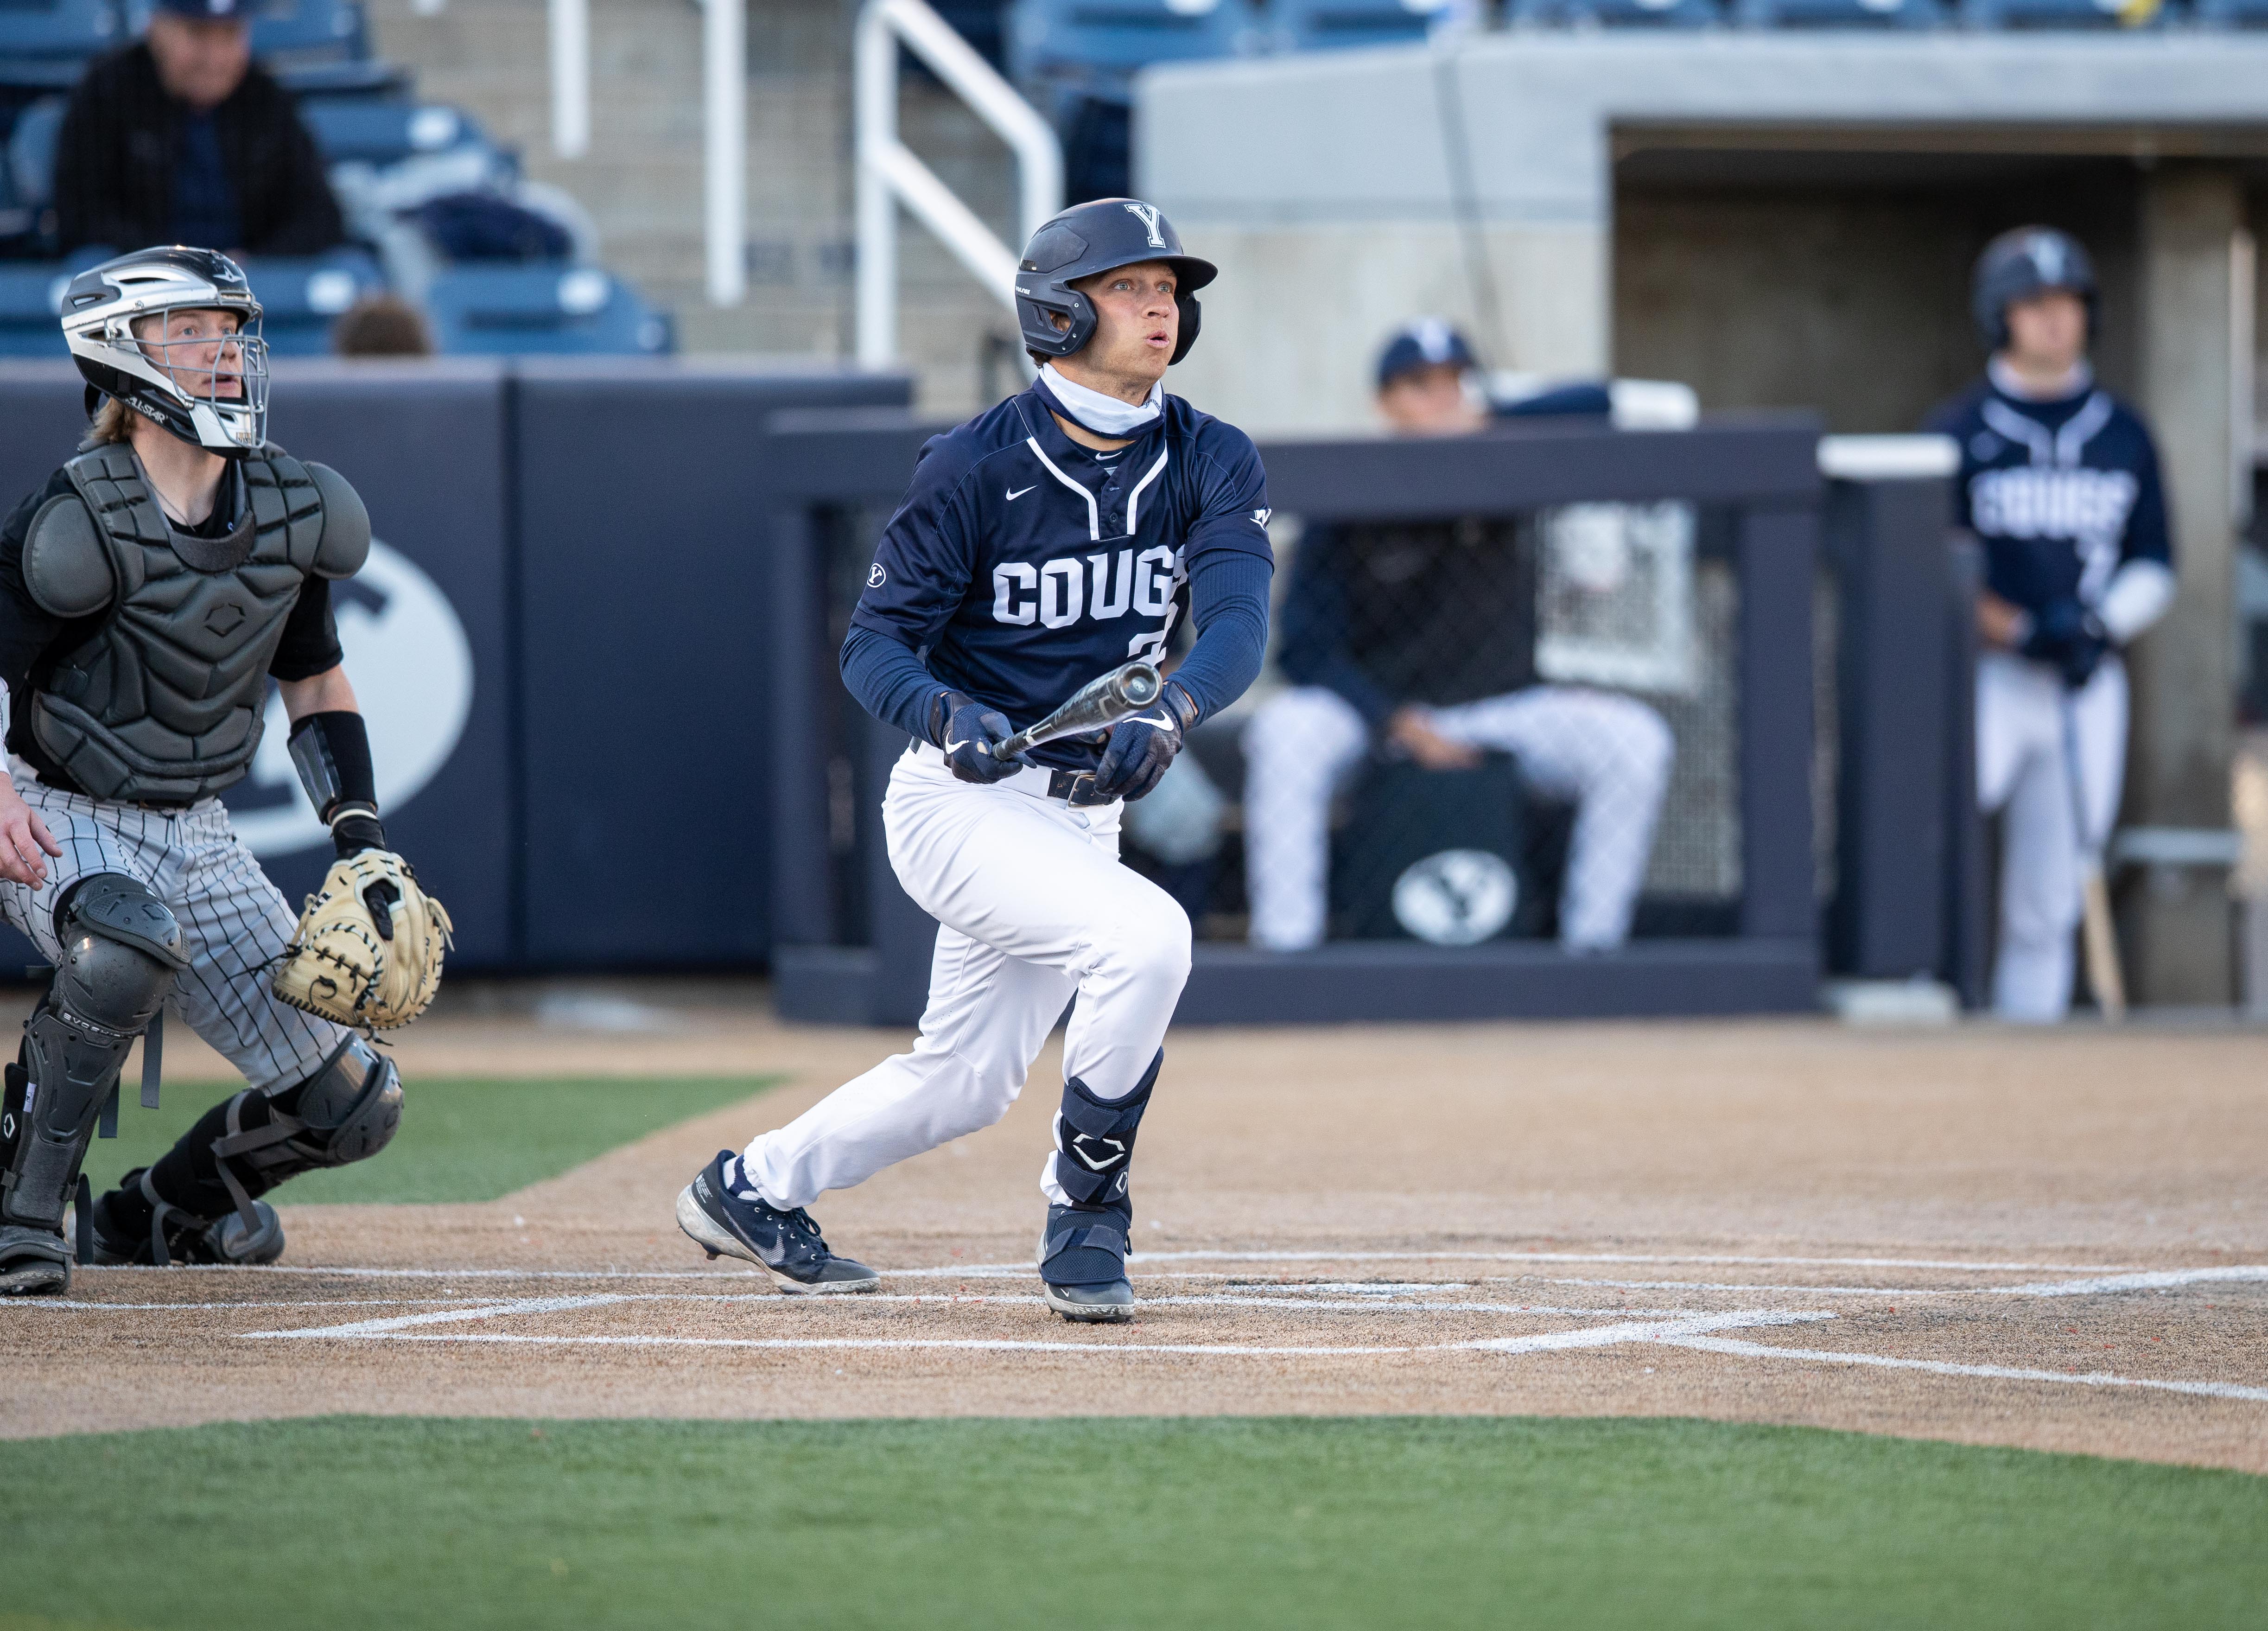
(200, 1201)
(1083, 1251)
(120, 950)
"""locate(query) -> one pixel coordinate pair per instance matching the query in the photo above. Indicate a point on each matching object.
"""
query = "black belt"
(1075, 787)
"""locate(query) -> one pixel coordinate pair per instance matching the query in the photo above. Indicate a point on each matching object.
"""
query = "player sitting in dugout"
(1420, 639)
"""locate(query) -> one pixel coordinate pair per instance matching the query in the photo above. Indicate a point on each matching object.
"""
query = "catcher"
(147, 593)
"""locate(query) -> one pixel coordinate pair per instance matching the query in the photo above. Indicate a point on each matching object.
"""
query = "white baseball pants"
(1032, 908)
(2025, 720)
(235, 921)
(1608, 755)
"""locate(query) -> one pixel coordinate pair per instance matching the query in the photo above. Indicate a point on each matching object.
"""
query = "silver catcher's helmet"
(100, 309)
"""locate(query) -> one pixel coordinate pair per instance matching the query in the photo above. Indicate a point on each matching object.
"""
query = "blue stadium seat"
(357, 129)
(2061, 13)
(543, 309)
(31, 295)
(1620, 13)
(1328, 25)
(1842, 13)
(301, 297)
(1109, 39)
(32, 151)
(46, 42)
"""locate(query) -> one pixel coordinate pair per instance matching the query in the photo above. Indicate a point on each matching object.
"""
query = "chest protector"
(164, 705)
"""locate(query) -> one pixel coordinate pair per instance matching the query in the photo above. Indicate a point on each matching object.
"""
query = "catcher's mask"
(210, 389)
(1100, 236)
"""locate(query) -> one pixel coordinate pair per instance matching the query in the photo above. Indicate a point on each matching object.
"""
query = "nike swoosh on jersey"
(1014, 494)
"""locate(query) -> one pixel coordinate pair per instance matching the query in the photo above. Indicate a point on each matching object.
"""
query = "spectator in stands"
(183, 138)
(1420, 639)
(382, 325)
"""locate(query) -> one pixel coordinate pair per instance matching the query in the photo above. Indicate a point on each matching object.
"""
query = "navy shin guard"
(1087, 1242)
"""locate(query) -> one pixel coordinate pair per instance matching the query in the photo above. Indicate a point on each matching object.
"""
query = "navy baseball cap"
(1428, 342)
(210, 11)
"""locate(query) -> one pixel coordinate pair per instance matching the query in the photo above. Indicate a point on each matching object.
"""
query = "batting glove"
(965, 730)
(2069, 638)
(1142, 745)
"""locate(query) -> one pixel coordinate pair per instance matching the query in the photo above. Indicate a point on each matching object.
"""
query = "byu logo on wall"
(412, 670)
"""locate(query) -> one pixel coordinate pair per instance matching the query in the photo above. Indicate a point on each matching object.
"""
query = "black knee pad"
(121, 951)
(1095, 1138)
(245, 1145)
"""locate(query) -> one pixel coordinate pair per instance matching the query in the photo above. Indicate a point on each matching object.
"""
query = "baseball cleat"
(1083, 1264)
(1092, 1305)
(172, 1235)
(785, 1245)
(34, 1262)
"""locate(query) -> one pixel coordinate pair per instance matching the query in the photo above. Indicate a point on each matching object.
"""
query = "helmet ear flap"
(1041, 335)
(1192, 318)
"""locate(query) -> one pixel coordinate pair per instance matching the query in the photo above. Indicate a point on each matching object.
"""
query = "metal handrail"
(889, 175)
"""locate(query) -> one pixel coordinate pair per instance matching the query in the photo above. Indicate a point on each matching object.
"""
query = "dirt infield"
(2058, 1241)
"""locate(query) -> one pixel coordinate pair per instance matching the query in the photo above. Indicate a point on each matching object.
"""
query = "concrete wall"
(1346, 191)
(1851, 298)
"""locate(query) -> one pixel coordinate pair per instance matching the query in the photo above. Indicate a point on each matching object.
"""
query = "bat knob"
(1138, 684)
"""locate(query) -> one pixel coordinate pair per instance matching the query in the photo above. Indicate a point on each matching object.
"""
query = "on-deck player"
(147, 593)
(1044, 543)
(2060, 482)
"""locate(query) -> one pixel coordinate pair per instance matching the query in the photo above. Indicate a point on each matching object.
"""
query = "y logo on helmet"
(1148, 214)
(2046, 251)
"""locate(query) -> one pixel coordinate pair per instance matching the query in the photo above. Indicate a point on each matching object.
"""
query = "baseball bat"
(2097, 937)
(1106, 701)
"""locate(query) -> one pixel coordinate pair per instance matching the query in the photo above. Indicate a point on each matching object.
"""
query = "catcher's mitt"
(367, 951)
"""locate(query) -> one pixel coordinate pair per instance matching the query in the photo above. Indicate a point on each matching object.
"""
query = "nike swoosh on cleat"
(1014, 494)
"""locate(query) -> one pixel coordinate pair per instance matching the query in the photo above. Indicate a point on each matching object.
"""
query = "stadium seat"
(1328, 25)
(44, 43)
(1842, 13)
(300, 298)
(543, 309)
(2061, 13)
(350, 131)
(31, 295)
(1619, 13)
(1110, 40)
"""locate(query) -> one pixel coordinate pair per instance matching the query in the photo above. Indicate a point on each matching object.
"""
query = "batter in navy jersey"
(2059, 482)
(1043, 544)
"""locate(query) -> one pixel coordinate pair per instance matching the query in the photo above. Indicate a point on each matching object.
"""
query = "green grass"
(460, 1138)
(352, 1521)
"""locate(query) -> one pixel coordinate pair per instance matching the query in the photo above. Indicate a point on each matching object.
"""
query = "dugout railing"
(849, 946)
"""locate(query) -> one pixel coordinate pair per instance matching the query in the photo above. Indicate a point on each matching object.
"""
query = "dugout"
(1782, 220)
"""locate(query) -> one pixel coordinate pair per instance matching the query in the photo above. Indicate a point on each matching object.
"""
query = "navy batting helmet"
(1090, 238)
(2027, 261)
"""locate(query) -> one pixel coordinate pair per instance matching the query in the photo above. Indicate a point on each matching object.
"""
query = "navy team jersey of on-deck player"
(2063, 493)
(1020, 566)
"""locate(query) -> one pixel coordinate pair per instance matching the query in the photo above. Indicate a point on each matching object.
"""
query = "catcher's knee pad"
(245, 1145)
(121, 948)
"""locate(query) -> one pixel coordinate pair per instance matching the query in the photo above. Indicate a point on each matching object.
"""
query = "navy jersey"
(1019, 566)
(2062, 493)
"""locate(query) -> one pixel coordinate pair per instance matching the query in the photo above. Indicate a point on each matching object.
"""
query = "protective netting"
(1521, 725)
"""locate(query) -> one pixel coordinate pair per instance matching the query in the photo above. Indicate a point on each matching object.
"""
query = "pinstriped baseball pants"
(235, 921)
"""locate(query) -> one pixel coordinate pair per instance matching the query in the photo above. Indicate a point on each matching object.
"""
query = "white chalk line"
(976, 1270)
(1605, 1336)
(1945, 1368)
